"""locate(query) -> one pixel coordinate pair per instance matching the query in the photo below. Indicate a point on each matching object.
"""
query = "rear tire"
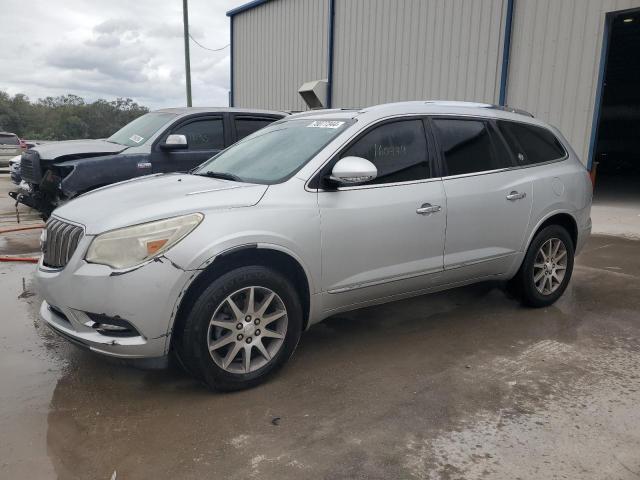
(241, 329)
(546, 269)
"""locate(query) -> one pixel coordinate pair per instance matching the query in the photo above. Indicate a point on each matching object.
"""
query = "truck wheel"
(547, 267)
(242, 328)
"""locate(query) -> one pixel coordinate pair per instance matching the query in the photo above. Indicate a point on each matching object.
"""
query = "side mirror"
(353, 170)
(175, 142)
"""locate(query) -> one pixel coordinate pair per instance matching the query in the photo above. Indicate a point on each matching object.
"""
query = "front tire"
(547, 267)
(242, 328)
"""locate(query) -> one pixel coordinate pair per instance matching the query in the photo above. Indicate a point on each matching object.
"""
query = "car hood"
(70, 149)
(155, 197)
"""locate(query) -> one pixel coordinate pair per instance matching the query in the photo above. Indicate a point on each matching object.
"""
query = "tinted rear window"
(531, 144)
(468, 146)
(9, 140)
(246, 126)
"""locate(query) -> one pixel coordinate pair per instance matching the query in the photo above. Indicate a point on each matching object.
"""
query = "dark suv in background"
(168, 140)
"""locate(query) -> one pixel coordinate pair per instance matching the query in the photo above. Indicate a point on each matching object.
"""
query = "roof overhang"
(245, 7)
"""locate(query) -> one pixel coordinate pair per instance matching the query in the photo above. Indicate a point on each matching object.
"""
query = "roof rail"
(507, 108)
(320, 111)
(504, 108)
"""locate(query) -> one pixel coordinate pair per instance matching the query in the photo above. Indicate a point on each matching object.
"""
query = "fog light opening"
(112, 326)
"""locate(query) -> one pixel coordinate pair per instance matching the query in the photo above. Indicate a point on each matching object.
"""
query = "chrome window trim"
(431, 116)
(380, 185)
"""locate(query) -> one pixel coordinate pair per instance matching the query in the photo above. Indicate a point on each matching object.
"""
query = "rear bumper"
(583, 236)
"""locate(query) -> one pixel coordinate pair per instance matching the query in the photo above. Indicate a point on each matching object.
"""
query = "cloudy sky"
(114, 48)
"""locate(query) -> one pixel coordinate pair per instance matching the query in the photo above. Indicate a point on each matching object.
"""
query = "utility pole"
(187, 61)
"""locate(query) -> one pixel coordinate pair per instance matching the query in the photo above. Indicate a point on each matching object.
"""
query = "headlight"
(130, 246)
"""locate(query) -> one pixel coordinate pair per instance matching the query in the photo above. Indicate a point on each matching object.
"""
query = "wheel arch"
(251, 254)
(561, 218)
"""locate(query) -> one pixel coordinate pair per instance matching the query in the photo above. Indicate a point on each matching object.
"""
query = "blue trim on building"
(231, 99)
(245, 7)
(331, 22)
(506, 52)
(604, 54)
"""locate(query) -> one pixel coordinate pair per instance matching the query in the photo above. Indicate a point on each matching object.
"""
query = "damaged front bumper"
(35, 200)
(82, 299)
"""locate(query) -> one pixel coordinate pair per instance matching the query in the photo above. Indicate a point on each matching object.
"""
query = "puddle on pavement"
(446, 384)
(19, 243)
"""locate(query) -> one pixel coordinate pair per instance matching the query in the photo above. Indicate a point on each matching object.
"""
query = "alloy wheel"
(247, 329)
(550, 266)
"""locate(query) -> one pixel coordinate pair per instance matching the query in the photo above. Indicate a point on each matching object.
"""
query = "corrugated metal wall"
(417, 49)
(555, 60)
(277, 47)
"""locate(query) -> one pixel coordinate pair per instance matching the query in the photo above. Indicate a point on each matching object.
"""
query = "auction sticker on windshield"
(325, 124)
(136, 138)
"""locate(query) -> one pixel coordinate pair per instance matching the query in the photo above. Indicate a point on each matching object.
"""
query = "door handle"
(428, 209)
(513, 196)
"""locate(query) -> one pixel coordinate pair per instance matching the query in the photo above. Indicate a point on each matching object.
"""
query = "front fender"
(249, 240)
(89, 173)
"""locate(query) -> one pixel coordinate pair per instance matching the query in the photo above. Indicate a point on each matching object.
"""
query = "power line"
(207, 48)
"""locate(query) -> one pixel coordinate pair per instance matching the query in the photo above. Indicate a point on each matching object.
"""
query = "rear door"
(488, 200)
(205, 138)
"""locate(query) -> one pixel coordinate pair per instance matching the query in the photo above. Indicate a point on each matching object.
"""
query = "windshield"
(274, 153)
(139, 131)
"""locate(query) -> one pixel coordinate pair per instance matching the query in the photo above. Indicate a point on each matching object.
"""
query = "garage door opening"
(617, 141)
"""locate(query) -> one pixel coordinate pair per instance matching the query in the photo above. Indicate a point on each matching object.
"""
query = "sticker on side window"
(136, 138)
(325, 124)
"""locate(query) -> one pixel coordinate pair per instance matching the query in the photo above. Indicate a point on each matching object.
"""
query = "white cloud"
(114, 49)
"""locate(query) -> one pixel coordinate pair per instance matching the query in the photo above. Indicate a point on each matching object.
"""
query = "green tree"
(65, 117)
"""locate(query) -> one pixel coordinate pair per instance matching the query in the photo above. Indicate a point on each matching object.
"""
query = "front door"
(488, 201)
(384, 238)
(205, 138)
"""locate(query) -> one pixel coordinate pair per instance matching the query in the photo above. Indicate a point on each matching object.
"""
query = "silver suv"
(10, 146)
(316, 214)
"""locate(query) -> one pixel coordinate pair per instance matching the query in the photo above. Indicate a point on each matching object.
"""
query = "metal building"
(548, 57)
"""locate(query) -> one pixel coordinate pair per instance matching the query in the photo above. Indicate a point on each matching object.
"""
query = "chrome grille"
(61, 241)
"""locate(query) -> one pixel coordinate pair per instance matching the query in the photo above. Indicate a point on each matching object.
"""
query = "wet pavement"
(460, 384)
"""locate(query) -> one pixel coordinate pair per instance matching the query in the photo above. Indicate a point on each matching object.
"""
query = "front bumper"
(146, 297)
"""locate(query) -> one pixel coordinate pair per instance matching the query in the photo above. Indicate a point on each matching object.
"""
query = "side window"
(468, 146)
(246, 126)
(531, 144)
(398, 150)
(203, 134)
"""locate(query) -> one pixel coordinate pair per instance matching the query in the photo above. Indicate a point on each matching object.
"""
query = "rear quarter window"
(531, 144)
(246, 126)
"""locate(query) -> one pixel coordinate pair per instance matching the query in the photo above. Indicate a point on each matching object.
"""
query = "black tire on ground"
(523, 283)
(192, 345)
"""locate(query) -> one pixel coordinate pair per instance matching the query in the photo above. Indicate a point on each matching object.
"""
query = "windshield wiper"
(222, 175)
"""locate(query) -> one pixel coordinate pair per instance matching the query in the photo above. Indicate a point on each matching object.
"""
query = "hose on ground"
(19, 259)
